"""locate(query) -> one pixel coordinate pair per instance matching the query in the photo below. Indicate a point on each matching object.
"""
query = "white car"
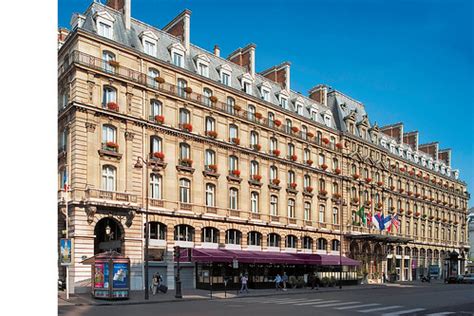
(468, 278)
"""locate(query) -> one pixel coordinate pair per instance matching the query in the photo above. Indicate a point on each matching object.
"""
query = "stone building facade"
(233, 158)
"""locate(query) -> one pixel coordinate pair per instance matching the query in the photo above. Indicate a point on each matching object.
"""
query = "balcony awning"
(380, 238)
(226, 255)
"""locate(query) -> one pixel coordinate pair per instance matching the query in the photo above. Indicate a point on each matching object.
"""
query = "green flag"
(361, 214)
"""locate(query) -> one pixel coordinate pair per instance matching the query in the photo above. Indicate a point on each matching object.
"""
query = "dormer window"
(203, 69)
(177, 59)
(105, 22)
(225, 73)
(202, 65)
(327, 120)
(314, 115)
(284, 102)
(177, 54)
(149, 48)
(299, 108)
(246, 81)
(149, 42)
(247, 87)
(265, 95)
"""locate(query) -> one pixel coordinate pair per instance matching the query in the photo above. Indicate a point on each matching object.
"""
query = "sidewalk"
(137, 297)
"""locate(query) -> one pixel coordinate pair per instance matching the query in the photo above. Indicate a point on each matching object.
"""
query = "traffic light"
(177, 253)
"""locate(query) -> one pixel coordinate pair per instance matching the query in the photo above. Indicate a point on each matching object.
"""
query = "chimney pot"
(217, 50)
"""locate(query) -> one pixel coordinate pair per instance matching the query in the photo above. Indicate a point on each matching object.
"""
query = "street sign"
(65, 251)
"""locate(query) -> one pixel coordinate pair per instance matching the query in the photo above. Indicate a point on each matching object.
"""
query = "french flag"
(380, 221)
(65, 180)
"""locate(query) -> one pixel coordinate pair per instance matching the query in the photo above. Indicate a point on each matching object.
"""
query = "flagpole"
(67, 232)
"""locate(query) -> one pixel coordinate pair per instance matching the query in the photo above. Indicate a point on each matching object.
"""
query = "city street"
(417, 299)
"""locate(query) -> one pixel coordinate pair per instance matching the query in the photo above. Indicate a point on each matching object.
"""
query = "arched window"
(233, 237)
(335, 187)
(307, 242)
(321, 159)
(182, 84)
(273, 173)
(210, 158)
(254, 202)
(157, 230)
(210, 195)
(291, 241)
(322, 213)
(210, 125)
(152, 74)
(322, 244)
(109, 96)
(319, 137)
(183, 233)
(107, 57)
(354, 169)
(184, 151)
(288, 126)
(184, 117)
(253, 168)
(233, 132)
(230, 105)
(156, 108)
(291, 150)
(184, 190)
(273, 240)
(335, 215)
(306, 155)
(254, 139)
(108, 178)
(291, 177)
(155, 145)
(233, 198)
(335, 164)
(335, 245)
(273, 144)
(254, 238)
(233, 163)
(273, 205)
(291, 208)
(109, 135)
(306, 181)
(322, 185)
(155, 186)
(206, 96)
(251, 112)
(210, 234)
(304, 132)
(271, 119)
(307, 211)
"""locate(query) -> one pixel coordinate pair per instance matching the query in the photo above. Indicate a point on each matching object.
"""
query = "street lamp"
(139, 165)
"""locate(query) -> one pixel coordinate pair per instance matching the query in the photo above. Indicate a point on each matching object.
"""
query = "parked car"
(468, 278)
(454, 279)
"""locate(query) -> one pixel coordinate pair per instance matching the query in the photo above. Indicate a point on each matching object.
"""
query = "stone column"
(169, 259)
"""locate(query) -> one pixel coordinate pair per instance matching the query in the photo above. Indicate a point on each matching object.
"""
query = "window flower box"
(338, 145)
(310, 135)
(417, 195)
(337, 171)
(112, 106)
(237, 108)
(186, 162)
(325, 140)
(295, 129)
(409, 212)
(456, 223)
(431, 199)
(419, 174)
(188, 90)
(368, 203)
(324, 166)
(410, 193)
(309, 162)
(277, 123)
(426, 178)
(112, 146)
(392, 208)
(257, 177)
(401, 190)
(438, 218)
(276, 181)
(236, 173)
(258, 116)
(114, 63)
(276, 152)
(212, 134)
(160, 79)
(379, 205)
(368, 180)
(337, 195)
(160, 119)
(394, 166)
(355, 176)
(308, 189)
(392, 187)
(159, 155)
(431, 217)
(212, 167)
(323, 192)
(439, 201)
(433, 180)
(257, 147)
(411, 173)
(293, 157)
(379, 183)
(425, 197)
(401, 211)
(417, 214)
(424, 216)
(235, 140)
(213, 99)
(293, 185)
(402, 169)
(187, 127)
(355, 200)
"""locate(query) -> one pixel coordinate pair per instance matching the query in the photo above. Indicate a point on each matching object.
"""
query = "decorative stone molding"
(129, 136)
(130, 216)
(90, 211)
(90, 127)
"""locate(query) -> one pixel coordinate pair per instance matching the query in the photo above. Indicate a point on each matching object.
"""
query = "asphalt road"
(430, 299)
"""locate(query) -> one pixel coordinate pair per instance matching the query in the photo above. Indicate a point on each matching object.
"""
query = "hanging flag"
(387, 222)
(361, 214)
(369, 219)
(377, 221)
(395, 222)
(65, 184)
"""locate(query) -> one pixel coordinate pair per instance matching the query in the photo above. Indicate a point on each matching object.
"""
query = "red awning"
(226, 255)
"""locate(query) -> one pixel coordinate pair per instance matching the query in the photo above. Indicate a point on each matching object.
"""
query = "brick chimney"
(244, 57)
(279, 74)
(445, 155)
(411, 139)
(319, 94)
(123, 6)
(217, 51)
(395, 131)
(431, 149)
(180, 27)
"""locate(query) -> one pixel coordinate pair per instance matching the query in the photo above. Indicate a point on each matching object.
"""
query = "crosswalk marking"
(356, 306)
(324, 302)
(280, 301)
(292, 301)
(335, 304)
(379, 309)
(309, 302)
(404, 312)
(440, 314)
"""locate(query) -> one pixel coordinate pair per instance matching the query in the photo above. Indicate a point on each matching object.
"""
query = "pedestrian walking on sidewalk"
(277, 282)
(284, 278)
(244, 279)
(312, 280)
(154, 283)
(384, 278)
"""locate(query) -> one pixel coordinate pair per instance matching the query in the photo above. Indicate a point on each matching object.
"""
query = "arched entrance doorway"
(108, 235)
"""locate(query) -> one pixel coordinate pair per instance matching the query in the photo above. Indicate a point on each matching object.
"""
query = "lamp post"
(139, 165)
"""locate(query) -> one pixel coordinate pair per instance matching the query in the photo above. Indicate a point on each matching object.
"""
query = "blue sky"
(409, 61)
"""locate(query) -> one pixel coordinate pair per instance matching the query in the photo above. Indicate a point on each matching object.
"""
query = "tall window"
(156, 108)
(307, 242)
(291, 177)
(322, 244)
(233, 198)
(184, 116)
(321, 159)
(307, 211)
(273, 144)
(304, 131)
(233, 163)
(108, 178)
(233, 131)
(210, 124)
(207, 94)
(253, 138)
(183, 233)
(203, 69)
(107, 57)
(155, 186)
(291, 149)
(184, 191)
(184, 151)
(273, 205)
(149, 48)
(210, 158)
(177, 59)
(271, 119)
(273, 240)
(157, 231)
(251, 112)
(109, 95)
(155, 144)
(335, 163)
(210, 195)
(152, 74)
(233, 237)
(266, 95)
(306, 181)
(254, 198)
(210, 234)
(284, 102)
(322, 213)
(181, 86)
(306, 155)
(225, 78)
(290, 241)
(335, 215)
(108, 134)
(291, 208)
(273, 173)
(335, 245)
(288, 126)
(254, 238)
(104, 30)
(230, 105)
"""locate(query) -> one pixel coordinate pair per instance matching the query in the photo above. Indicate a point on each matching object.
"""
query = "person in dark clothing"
(312, 280)
(317, 281)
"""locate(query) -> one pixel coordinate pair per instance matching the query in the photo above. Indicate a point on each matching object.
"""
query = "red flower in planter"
(309, 189)
(187, 161)
(433, 180)
(293, 185)
(337, 195)
(411, 173)
(325, 140)
(425, 197)
(337, 171)
(401, 211)
(277, 122)
(213, 167)
(237, 108)
(276, 152)
(379, 205)
(379, 183)
(410, 193)
(212, 134)
(236, 140)
(213, 99)
(394, 166)
(419, 174)
(323, 192)
(113, 106)
(369, 202)
(355, 200)
(368, 180)
(160, 119)
(324, 166)
(188, 127)
(276, 181)
(188, 90)
(309, 162)
(295, 129)
(355, 176)
(417, 194)
(258, 115)
(417, 214)
(401, 190)
(236, 173)
(112, 145)
(338, 145)
(426, 178)
(409, 212)
(310, 135)
(160, 79)
(257, 177)
(160, 155)
(402, 169)
(293, 157)
(431, 216)
(392, 187)
(257, 146)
